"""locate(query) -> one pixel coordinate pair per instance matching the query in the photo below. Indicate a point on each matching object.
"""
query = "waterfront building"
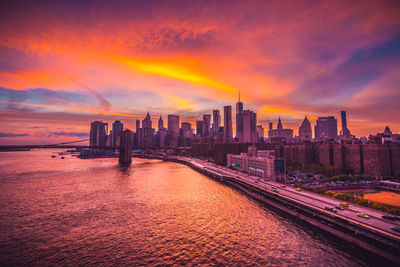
(264, 165)
(228, 132)
(216, 121)
(280, 132)
(247, 131)
(305, 132)
(117, 128)
(326, 128)
(98, 134)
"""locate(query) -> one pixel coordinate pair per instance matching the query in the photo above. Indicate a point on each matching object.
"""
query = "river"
(92, 212)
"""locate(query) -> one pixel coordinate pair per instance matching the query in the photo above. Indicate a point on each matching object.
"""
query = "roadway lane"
(313, 199)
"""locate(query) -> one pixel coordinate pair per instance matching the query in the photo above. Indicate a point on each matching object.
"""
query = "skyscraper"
(137, 125)
(173, 125)
(160, 123)
(146, 133)
(206, 124)
(98, 134)
(326, 127)
(146, 122)
(239, 105)
(216, 121)
(199, 127)
(117, 128)
(305, 132)
(248, 132)
(228, 133)
(345, 130)
(186, 129)
(173, 130)
(239, 119)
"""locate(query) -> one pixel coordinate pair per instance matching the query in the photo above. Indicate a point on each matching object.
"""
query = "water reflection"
(81, 212)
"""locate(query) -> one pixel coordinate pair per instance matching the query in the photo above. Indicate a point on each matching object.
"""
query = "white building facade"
(265, 166)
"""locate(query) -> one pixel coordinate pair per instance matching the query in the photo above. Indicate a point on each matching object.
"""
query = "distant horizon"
(65, 64)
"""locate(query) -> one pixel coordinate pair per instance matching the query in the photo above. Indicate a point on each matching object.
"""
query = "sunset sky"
(64, 64)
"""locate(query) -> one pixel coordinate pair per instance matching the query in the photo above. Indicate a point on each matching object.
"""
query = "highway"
(375, 221)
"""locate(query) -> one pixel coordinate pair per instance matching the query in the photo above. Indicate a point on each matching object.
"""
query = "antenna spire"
(239, 95)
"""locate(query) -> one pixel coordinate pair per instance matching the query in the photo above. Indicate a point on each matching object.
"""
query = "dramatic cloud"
(70, 134)
(65, 63)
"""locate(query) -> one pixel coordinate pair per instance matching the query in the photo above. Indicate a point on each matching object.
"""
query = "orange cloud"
(174, 70)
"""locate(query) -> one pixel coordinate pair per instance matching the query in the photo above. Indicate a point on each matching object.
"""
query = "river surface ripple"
(91, 212)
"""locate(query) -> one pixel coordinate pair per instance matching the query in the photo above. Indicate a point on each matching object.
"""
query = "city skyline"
(78, 62)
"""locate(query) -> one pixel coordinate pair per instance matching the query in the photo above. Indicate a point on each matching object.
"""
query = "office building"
(260, 132)
(117, 128)
(305, 132)
(160, 123)
(216, 121)
(186, 130)
(263, 165)
(146, 133)
(228, 132)
(326, 128)
(239, 106)
(247, 132)
(345, 130)
(173, 125)
(173, 130)
(137, 125)
(206, 124)
(280, 132)
(199, 127)
(146, 122)
(98, 134)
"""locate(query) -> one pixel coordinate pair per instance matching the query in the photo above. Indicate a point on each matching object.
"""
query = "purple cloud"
(2, 134)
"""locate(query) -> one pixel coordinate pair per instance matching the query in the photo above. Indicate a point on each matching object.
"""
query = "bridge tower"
(125, 150)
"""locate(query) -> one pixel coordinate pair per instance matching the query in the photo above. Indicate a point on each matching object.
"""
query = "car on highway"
(273, 188)
(298, 189)
(344, 204)
(396, 228)
(362, 215)
(330, 209)
(339, 208)
(283, 186)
